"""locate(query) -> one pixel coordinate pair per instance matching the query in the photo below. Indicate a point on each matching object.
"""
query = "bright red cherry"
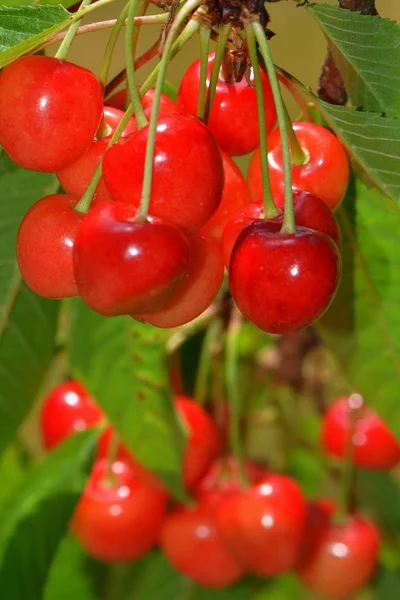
(235, 196)
(264, 525)
(167, 106)
(338, 560)
(197, 289)
(325, 174)
(66, 409)
(309, 211)
(123, 266)
(118, 519)
(50, 110)
(283, 283)
(191, 542)
(233, 120)
(374, 445)
(75, 177)
(188, 175)
(45, 243)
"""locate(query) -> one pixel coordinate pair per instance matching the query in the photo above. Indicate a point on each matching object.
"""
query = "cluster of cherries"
(165, 269)
(230, 529)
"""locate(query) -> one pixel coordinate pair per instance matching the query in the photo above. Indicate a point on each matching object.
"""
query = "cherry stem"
(297, 155)
(289, 225)
(234, 391)
(270, 210)
(69, 38)
(112, 40)
(288, 83)
(223, 36)
(180, 18)
(211, 337)
(205, 34)
(131, 39)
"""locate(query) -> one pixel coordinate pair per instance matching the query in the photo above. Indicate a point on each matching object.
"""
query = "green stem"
(69, 38)
(289, 225)
(205, 34)
(223, 36)
(180, 18)
(130, 43)
(212, 336)
(270, 210)
(112, 40)
(297, 155)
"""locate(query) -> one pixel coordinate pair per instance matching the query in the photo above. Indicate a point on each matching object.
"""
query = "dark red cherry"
(325, 174)
(45, 243)
(283, 283)
(264, 525)
(66, 409)
(233, 119)
(167, 106)
(337, 559)
(196, 291)
(123, 266)
(309, 211)
(188, 175)
(374, 445)
(50, 110)
(75, 177)
(118, 518)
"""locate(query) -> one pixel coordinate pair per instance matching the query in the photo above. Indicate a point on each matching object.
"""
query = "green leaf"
(34, 520)
(123, 363)
(23, 30)
(12, 471)
(27, 322)
(379, 494)
(19, 3)
(367, 52)
(363, 324)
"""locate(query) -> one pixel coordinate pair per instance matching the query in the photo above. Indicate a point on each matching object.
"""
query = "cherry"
(233, 118)
(235, 196)
(338, 559)
(309, 211)
(123, 266)
(374, 445)
(118, 518)
(187, 175)
(45, 243)
(76, 176)
(264, 525)
(197, 289)
(167, 106)
(66, 409)
(191, 542)
(283, 283)
(325, 174)
(50, 110)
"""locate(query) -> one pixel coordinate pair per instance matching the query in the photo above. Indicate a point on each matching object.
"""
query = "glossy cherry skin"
(283, 283)
(68, 408)
(122, 266)
(264, 525)
(309, 211)
(75, 177)
(325, 174)
(374, 445)
(188, 174)
(167, 106)
(50, 110)
(233, 119)
(235, 196)
(120, 520)
(191, 542)
(198, 288)
(338, 560)
(45, 243)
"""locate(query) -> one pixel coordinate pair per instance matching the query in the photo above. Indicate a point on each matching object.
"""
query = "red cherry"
(264, 525)
(117, 519)
(122, 266)
(187, 175)
(197, 289)
(75, 177)
(50, 111)
(191, 542)
(325, 174)
(235, 196)
(66, 409)
(45, 245)
(374, 445)
(338, 560)
(167, 106)
(283, 283)
(233, 119)
(309, 211)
